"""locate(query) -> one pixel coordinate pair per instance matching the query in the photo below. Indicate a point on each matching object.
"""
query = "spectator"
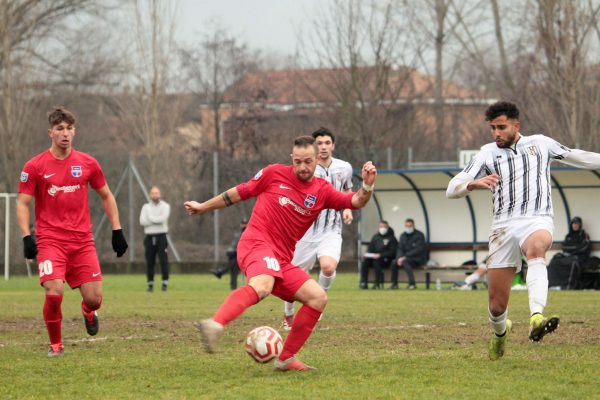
(412, 252)
(564, 268)
(379, 255)
(232, 265)
(154, 218)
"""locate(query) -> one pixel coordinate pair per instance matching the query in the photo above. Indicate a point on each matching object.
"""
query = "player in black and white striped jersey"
(516, 169)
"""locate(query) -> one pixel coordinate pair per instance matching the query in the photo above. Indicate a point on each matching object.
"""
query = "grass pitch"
(370, 345)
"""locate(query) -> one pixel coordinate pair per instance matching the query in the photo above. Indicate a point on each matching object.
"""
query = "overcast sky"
(270, 25)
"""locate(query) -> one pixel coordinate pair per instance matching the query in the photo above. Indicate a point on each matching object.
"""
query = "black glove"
(119, 243)
(29, 247)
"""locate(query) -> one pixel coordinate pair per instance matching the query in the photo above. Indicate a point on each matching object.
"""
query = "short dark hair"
(383, 221)
(502, 108)
(304, 141)
(61, 115)
(412, 221)
(323, 132)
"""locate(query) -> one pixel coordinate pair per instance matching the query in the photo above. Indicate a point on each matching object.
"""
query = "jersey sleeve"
(28, 179)
(556, 150)
(97, 179)
(476, 165)
(256, 185)
(337, 200)
(348, 182)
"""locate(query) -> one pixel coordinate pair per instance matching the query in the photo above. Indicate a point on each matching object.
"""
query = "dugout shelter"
(457, 229)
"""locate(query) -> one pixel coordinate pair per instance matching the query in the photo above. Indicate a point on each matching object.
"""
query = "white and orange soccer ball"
(263, 344)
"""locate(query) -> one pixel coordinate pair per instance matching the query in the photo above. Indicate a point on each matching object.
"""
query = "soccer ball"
(263, 344)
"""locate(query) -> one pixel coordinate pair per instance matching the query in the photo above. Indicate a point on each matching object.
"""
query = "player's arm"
(363, 195)
(347, 216)
(462, 184)
(110, 206)
(225, 199)
(162, 217)
(23, 213)
(581, 159)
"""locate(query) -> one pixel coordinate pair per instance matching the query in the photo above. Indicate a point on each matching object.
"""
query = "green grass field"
(369, 345)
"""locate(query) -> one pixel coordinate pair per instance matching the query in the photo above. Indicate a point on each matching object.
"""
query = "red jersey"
(287, 206)
(60, 189)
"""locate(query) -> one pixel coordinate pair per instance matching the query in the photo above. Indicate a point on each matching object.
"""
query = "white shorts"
(307, 253)
(507, 238)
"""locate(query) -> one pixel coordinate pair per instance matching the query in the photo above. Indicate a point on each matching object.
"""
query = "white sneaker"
(466, 286)
(210, 331)
(287, 322)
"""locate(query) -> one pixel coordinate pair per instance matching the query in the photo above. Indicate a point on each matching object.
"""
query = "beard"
(507, 143)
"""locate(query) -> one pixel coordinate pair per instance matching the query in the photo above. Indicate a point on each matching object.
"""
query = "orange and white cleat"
(291, 364)
(287, 322)
(56, 350)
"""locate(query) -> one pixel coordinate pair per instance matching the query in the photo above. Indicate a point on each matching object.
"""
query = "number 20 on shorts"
(45, 268)
(272, 263)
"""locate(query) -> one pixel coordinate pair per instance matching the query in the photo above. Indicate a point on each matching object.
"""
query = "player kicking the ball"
(58, 180)
(289, 200)
(323, 240)
(516, 169)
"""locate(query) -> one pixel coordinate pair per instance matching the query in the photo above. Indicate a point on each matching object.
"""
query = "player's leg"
(150, 261)
(53, 315)
(305, 256)
(314, 300)
(328, 252)
(161, 248)
(91, 295)
(535, 247)
(499, 283)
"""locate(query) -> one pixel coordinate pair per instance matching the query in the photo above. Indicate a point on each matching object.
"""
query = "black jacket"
(577, 243)
(384, 245)
(413, 246)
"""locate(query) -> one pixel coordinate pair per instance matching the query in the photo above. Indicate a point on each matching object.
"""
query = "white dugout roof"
(465, 222)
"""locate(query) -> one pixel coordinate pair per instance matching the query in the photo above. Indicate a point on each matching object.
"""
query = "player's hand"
(369, 172)
(193, 208)
(347, 216)
(400, 261)
(119, 244)
(487, 182)
(29, 247)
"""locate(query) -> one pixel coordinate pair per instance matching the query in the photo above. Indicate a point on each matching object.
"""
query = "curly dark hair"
(502, 108)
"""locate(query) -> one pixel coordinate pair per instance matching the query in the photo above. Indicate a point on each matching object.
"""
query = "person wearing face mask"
(564, 268)
(412, 252)
(379, 255)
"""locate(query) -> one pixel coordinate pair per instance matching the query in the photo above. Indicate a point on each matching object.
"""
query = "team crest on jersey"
(76, 171)
(533, 150)
(24, 176)
(258, 175)
(310, 200)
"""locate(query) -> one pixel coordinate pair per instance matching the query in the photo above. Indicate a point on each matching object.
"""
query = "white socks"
(288, 308)
(326, 281)
(498, 323)
(471, 279)
(537, 284)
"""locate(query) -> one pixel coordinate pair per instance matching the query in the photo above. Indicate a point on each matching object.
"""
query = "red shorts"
(256, 257)
(73, 261)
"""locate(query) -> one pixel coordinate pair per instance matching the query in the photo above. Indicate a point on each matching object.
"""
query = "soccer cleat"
(93, 326)
(56, 350)
(287, 322)
(497, 344)
(164, 288)
(216, 273)
(291, 364)
(210, 331)
(466, 286)
(539, 326)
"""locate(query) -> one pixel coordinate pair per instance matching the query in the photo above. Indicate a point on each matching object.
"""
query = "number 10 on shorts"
(272, 263)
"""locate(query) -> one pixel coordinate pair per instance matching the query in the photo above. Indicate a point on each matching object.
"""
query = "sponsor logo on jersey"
(76, 171)
(67, 189)
(284, 201)
(309, 201)
(258, 175)
(24, 176)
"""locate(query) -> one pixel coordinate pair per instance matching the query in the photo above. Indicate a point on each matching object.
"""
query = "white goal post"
(7, 205)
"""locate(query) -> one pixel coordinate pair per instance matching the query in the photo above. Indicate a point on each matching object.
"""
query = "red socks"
(53, 317)
(235, 304)
(304, 322)
(88, 311)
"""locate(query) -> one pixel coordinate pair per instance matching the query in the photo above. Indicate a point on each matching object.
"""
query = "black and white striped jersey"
(524, 171)
(339, 174)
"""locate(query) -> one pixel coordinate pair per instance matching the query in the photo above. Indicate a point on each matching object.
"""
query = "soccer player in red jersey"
(289, 200)
(58, 181)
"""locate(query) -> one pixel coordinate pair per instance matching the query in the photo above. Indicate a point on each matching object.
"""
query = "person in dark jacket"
(412, 252)
(232, 265)
(564, 268)
(379, 255)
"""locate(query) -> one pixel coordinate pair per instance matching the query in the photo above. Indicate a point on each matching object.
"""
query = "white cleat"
(210, 331)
